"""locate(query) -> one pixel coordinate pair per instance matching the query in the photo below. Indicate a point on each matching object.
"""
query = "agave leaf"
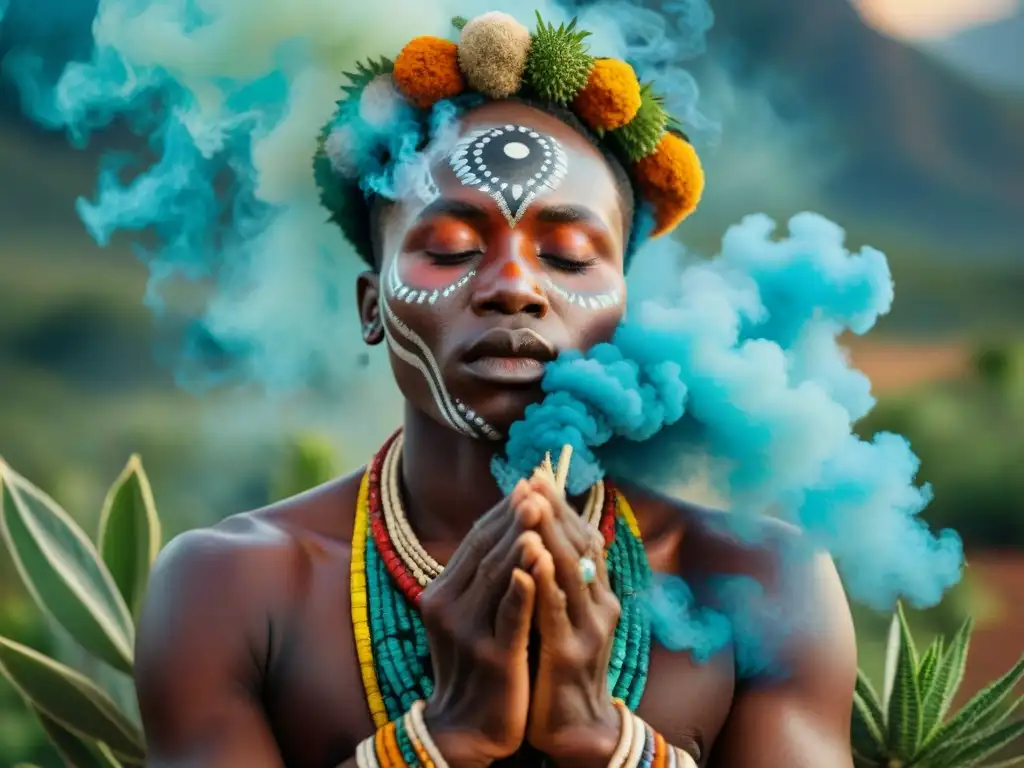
(63, 572)
(70, 698)
(129, 537)
(892, 653)
(926, 669)
(866, 733)
(1006, 763)
(904, 710)
(984, 702)
(977, 747)
(866, 691)
(946, 680)
(73, 749)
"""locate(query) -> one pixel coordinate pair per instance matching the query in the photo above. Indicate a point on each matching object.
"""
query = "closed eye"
(568, 264)
(452, 259)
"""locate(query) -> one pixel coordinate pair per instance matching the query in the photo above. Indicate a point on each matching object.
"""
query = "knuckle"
(527, 541)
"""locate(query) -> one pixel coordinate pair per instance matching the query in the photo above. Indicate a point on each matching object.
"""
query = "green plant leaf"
(867, 692)
(929, 663)
(867, 734)
(130, 536)
(977, 747)
(904, 710)
(63, 572)
(70, 698)
(984, 702)
(1006, 763)
(73, 749)
(946, 680)
(892, 654)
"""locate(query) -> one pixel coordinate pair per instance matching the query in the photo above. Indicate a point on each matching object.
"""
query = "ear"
(368, 296)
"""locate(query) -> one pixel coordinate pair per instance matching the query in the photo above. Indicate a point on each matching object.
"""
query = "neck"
(446, 478)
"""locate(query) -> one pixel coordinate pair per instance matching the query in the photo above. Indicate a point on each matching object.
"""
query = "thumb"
(512, 624)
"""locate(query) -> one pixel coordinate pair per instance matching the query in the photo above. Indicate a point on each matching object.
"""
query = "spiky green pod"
(558, 65)
(640, 136)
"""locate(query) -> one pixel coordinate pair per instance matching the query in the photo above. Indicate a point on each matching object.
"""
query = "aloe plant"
(93, 590)
(910, 724)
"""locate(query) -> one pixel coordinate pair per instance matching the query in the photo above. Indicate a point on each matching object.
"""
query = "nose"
(507, 283)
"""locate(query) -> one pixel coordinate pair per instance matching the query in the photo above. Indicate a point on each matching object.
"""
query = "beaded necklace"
(390, 570)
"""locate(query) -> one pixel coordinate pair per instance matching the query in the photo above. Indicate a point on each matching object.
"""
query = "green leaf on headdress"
(365, 73)
(459, 22)
(640, 136)
(558, 65)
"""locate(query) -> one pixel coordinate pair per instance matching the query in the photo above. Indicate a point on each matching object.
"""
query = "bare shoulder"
(259, 552)
(246, 571)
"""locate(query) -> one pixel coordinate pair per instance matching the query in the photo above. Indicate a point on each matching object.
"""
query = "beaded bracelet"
(640, 746)
(401, 743)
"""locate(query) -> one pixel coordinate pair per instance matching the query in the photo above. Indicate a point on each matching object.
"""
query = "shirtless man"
(246, 653)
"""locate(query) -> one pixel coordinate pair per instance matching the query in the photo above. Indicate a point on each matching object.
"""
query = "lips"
(504, 356)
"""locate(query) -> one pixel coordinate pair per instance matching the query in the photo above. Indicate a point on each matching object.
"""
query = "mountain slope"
(924, 148)
(993, 53)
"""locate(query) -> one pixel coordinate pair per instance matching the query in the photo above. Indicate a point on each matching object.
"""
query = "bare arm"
(802, 721)
(200, 658)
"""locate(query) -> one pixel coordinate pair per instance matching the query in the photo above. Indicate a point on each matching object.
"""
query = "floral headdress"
(496, 57)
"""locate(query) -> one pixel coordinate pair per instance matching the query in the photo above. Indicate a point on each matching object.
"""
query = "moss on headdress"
(558, 65)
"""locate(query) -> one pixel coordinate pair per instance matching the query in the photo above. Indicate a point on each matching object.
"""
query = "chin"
(502, 408)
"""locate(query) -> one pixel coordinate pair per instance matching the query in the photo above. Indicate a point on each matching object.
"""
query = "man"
(251, 648)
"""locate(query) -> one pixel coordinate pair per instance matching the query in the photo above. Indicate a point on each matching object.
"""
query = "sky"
(932, 19)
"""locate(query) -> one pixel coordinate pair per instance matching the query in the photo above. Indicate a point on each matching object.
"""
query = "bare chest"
(316, 704)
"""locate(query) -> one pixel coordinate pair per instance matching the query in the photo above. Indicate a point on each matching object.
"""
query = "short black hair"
(362, 228)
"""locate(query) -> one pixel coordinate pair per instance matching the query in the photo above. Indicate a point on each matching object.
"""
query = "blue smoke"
(730, 372)
(736, 374)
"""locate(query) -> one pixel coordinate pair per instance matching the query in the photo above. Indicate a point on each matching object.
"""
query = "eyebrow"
(569, 214)
(458, 208)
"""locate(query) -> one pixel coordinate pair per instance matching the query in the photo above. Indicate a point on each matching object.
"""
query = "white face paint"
(455, 413)
(586, 300)
(513, 165)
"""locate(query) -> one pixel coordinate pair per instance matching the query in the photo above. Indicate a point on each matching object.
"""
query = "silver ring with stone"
(587, 569)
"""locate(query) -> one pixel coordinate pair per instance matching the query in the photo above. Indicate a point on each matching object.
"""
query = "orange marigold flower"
(611, 97)
(672, 180)
(427, 71)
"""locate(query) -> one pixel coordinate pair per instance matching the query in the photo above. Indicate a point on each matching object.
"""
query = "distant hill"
(925, 149)
(993, 53)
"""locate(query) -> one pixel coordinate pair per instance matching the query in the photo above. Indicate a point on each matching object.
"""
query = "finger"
(577, 529)
(550, 609)
(484, 535)
(566, 559)
(515, 612)
(492, 572)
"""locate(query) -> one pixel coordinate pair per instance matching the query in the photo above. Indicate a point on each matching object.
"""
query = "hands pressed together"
(520, 569)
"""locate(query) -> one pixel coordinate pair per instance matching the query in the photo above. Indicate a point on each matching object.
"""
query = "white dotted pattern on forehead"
(511, 164)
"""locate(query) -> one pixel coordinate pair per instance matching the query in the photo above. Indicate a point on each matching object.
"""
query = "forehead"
(520, 158)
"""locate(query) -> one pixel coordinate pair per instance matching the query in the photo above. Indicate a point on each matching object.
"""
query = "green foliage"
(909, 724)
(969, 435)
(87, 589)
(558, 65)
(310, 461)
